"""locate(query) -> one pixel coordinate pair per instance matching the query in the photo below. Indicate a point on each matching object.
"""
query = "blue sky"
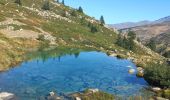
(117, 11)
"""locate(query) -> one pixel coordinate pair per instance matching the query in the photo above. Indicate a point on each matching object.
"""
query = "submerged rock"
(131, 71)
(7, 96)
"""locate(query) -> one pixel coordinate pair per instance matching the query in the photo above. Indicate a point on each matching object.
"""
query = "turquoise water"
(70, 73)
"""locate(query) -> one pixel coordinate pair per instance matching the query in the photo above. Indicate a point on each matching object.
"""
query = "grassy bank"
(13, 50)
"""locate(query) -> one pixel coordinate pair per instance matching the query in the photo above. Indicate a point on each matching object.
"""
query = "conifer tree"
(80, 9)
(131, 35)
(102, 20)
(152, 45)
(63, 2)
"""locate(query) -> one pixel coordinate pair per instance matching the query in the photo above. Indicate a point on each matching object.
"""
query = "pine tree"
(80, 9)
(46, 6)
(18, 2)
(63, 2)
(102, 20)
(119, 41)
(125, 42)
(152, 45)
(131, 35)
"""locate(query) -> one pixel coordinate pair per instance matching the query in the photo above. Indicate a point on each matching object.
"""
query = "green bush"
(74, 13)
(97, 96)
(46, 5)
(2, 2)
(41, 37)
(166, 93)
(167, 54)
(158, 75)
(94, 29)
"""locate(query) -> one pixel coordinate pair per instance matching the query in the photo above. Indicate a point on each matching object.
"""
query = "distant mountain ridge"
(130, 24)
(140, 23)
(165, 19)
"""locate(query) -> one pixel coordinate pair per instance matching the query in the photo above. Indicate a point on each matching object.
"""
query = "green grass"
(88, 95)
(2, 18)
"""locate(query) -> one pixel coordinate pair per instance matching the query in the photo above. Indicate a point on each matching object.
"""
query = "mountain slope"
(28, 28)
(145, 33)
(157, 30)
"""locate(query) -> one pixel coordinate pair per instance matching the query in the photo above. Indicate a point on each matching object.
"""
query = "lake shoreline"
(105, 51)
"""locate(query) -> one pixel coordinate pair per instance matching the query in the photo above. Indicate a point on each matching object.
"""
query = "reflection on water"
(71, 73)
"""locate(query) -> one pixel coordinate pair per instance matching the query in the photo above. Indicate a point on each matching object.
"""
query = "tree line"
(127, 42)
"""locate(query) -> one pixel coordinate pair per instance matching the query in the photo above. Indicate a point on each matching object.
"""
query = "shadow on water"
(134, 80)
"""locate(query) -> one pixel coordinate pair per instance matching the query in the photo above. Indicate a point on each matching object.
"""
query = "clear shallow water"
(70, 73)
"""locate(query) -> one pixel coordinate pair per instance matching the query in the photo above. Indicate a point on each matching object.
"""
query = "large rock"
(113, 55)
(52, 96)
(7, 96)
(156, 89)
(140, 69)
(78, 98)
(140, 72)
(93, 90)
(160, 98)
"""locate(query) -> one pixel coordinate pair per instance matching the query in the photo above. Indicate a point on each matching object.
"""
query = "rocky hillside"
(156, 30)
(146, 32)
(26, 27)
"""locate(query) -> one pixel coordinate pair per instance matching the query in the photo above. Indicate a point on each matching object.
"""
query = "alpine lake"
(72, 70)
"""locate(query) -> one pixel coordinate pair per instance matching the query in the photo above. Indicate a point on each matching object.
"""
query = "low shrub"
(166, 94)
(167, 54)
(158, 75)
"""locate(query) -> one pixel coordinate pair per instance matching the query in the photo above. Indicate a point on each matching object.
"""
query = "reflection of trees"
(76, 54)
(54, 53)
(59, 58)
